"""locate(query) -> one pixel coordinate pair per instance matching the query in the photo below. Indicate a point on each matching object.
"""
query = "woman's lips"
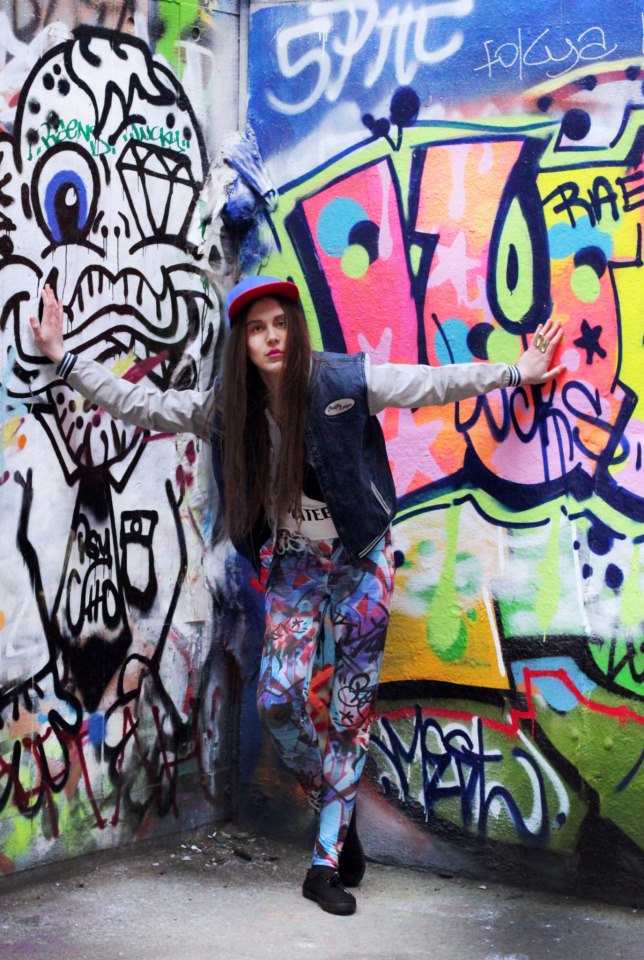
(275, 353)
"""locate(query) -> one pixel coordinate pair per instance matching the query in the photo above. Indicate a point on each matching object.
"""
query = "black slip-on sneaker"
(324, 887)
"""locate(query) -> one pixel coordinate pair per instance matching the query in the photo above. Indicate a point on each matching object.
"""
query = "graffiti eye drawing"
(65, 192)
(518, 284)
(138, 527)
(66, 206)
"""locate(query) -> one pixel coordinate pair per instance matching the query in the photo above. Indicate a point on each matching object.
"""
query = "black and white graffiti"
(100, 179)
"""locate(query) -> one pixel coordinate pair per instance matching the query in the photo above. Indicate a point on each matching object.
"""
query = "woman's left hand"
(534, 364)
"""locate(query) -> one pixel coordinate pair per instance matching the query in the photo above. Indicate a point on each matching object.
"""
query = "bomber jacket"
(344, 440)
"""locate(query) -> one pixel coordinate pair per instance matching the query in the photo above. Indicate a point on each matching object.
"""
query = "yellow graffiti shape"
(11, 435)
(453, 638)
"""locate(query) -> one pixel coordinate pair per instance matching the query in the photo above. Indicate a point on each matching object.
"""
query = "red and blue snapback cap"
(252, 288)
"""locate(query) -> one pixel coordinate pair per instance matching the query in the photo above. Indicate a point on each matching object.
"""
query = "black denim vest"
(346, 447)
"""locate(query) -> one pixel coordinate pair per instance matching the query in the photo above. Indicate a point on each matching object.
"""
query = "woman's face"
(266, 335)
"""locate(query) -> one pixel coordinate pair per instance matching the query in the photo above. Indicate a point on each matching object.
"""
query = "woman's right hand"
(48, 333)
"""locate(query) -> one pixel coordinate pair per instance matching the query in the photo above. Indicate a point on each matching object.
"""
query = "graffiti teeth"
(100, 295)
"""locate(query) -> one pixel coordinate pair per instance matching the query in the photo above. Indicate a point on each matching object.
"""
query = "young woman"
(300, 457)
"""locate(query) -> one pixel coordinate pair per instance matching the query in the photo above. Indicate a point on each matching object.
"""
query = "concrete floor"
(223, 893)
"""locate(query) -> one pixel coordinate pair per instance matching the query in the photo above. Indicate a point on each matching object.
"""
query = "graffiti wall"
(113, 696)
(451, 174)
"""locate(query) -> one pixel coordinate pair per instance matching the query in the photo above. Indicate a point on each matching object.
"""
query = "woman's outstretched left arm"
(417, 385)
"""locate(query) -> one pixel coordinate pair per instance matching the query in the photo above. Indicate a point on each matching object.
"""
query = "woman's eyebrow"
(277, 316)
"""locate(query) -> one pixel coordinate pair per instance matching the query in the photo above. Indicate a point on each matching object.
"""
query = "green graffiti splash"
(620, 659)
(17, 843)
(607, 754)
(176, 17)
(73, 818)
(549, 590)
(446, 632)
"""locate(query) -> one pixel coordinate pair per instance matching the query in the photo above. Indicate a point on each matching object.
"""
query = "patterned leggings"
(311, 588)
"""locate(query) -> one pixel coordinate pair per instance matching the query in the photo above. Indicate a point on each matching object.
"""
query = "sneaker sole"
(340, 910)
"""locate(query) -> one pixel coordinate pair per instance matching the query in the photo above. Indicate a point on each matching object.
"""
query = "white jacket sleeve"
(417, 385)
(170, 411)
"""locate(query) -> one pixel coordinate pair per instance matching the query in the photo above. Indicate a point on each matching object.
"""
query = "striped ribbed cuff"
(66, 365)
(514, 376)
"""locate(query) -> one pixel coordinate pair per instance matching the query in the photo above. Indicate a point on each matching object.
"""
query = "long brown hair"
(244, 400)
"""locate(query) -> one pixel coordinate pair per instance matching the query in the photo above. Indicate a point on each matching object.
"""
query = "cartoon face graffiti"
(99, 181)
(109, 173)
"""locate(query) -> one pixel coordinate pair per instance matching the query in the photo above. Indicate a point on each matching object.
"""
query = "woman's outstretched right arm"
(172, 411)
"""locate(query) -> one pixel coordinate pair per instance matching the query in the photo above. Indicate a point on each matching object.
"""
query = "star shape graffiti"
(410, 451)
(589, 341)
(444, 269)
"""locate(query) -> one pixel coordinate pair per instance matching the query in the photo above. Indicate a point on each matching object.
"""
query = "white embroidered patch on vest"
(339, 406)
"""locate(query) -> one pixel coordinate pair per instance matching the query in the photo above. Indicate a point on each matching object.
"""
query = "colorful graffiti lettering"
(332, 62)
(520, 514)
